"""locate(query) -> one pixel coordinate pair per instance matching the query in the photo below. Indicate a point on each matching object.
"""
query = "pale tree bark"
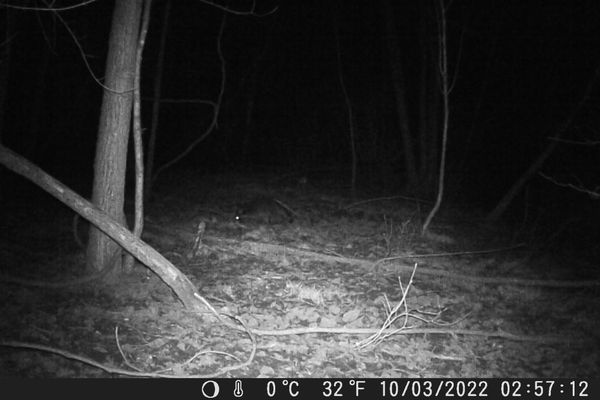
(181, 285)
(429, 103)
(443, 65)
(115, 118)
(138, 226)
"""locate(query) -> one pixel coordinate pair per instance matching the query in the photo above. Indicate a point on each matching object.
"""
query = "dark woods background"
(519, 70)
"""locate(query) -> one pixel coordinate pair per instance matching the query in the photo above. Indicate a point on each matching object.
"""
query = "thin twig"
(49, 8)
(217, 106)
(84, 57)
(594, 194)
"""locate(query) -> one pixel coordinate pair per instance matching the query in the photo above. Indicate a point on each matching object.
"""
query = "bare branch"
(578, 142)
(83, 56)
(217, 105)
(50, 8)
(593, 193)
(237, 12)
(458, 58)
(185, 101)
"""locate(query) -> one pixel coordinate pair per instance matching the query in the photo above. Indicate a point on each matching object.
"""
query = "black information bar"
(310, 389)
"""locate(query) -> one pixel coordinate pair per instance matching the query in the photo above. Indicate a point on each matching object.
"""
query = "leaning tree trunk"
(115, 118)
(181, 285)
(538, 163)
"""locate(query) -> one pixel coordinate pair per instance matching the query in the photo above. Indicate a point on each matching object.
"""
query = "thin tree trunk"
(443, 63)
(113, 133)
(400, 94)
(158, 75)
(433, 153)
(181, 285)
(216, 106)
(424, 126)
(37, 106)
(424, 88)
(348, 106)
(250, 106)
(516, 188)
(429, 102)
(5, 53)
(138, 226)
(5, 61)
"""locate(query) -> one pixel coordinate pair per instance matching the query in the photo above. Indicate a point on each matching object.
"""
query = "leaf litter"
(328, 307)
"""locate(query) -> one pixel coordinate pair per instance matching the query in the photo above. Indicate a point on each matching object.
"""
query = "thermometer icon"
(237, 391)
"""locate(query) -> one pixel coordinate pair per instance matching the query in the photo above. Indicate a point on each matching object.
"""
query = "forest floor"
(313, 300)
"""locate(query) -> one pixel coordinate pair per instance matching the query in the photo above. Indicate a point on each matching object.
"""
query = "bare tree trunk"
(443, 63)
(430, 97)
(113, 133)
(250, 105)
(429, 107)
(424, 88)
(433, 133)
(158, 74)
(37, 107)
(251, 92)
(5, 61)
(424, 114)
(400, 94)
(348, 106)
(181, 285)
(138, 226)
(5, 52)
(216, 106)
(516, 188)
